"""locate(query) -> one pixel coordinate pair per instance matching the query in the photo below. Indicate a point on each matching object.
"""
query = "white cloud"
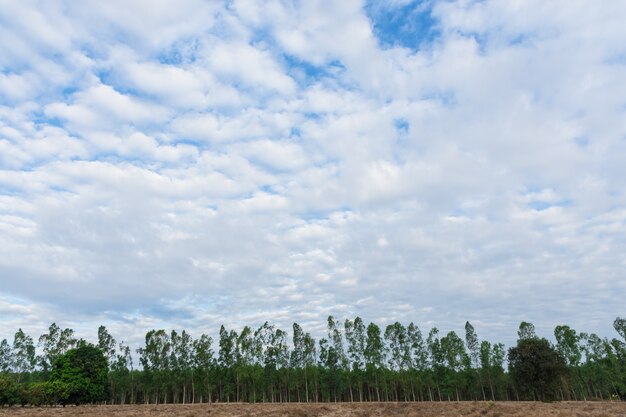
(166, 168)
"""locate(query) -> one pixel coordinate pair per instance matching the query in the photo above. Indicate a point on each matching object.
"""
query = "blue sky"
(191, 164)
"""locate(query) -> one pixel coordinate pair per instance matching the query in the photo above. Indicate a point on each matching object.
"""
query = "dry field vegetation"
(425, 409)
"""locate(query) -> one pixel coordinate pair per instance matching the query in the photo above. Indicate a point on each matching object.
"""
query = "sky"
(186, 164)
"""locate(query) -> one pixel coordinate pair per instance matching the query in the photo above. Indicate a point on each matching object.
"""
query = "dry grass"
(434, 409)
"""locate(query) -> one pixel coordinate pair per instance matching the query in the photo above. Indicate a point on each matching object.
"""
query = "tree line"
(354, 362)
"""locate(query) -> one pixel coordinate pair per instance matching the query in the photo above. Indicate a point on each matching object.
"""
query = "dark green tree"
(536, 369)
(526, 331)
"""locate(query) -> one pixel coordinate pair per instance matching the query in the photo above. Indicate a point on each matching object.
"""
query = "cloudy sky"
(191, 163)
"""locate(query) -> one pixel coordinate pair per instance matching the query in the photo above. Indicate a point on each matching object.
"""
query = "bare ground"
(422, 409)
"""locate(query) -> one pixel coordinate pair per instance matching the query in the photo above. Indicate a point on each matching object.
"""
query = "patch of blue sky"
(616, 59)
(305, 73)
(323, 214)
(459, 212)
(540, 205)
(180, 53)
(446, 98)
(170, 57)
(10, 190)
(521, 39)
(401, 125)
(409, 24)
(295, 132)
(39, 118)
(200, 145)
(108, 78)
(168, 313)
(61, 189)
(582, 141)
(269, 189)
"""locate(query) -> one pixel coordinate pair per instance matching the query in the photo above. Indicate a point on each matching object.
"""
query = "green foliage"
(5, 356)
(526, 331)
(79, 376)
(54, 344)
(536, 369)
(23, 354)
(10, 391)
(352, 363)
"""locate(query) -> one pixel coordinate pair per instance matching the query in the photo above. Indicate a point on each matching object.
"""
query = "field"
(434, 409)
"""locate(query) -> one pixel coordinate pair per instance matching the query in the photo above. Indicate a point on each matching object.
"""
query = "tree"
(10, 391)
(620, 327)
(456, 359)
(526, 331)
(536, 369)
(54, 344)
(567, 344)
(419, 352)
(399, 348)
(154, 358)
(6, 359)
(471, 341)
(23, 354)
(203, 362)
(106, 343)
(121, 375)
(83, 371)
(355, 338)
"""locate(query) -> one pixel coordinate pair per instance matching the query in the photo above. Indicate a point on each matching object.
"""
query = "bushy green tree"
(10, 391)
(83, 372)
(536, 369)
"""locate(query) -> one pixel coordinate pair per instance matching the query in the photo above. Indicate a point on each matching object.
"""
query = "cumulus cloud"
(210, 163)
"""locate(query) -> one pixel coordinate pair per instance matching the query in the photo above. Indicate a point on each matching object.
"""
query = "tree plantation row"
(354, 362)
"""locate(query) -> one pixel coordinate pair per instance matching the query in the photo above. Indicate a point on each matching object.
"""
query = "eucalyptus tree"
(280, 351)
(303, 357)
(24, 358)
(272, 350)
(54, 344)
(246, 372)
(419, 359)
(181, 370)
(335, 337)
(620, 327)
(568, 346)
(227, 359)
(356, 339)
(456, 358)
(398, 346)
(204, 362)
(473, 347)
(6, 358)
(526, 331)
(399, 350)
(106, 344)
(121, 376)
(154, 358)
(497, 366)
(486, 363)
(333, 360)
(374, 355)
(437, 358)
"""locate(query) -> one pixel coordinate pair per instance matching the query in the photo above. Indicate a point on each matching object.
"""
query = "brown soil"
(425, 409)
